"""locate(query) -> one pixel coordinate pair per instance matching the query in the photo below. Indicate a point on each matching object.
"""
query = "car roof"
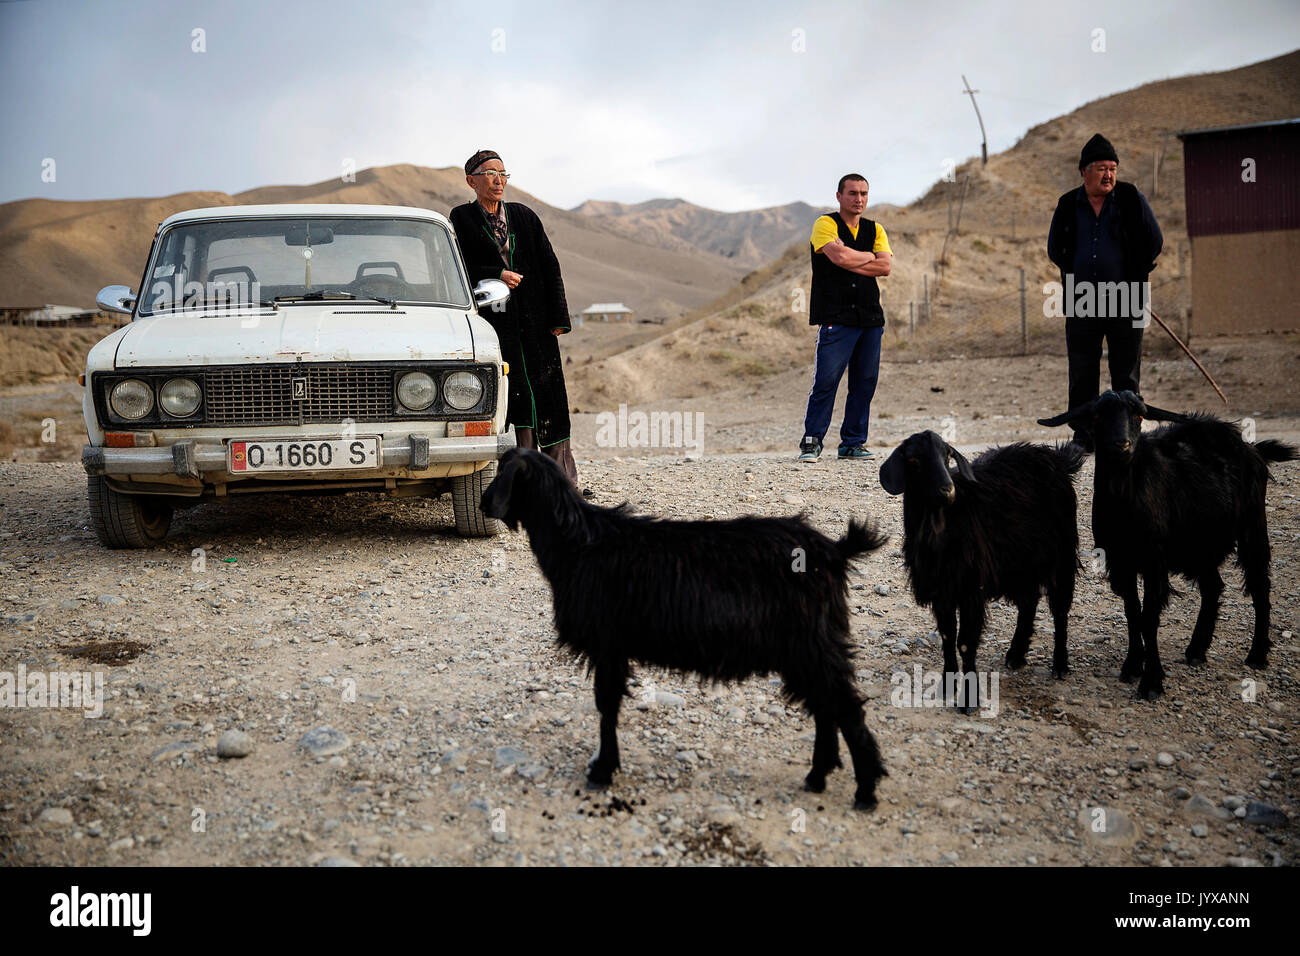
(331, 210)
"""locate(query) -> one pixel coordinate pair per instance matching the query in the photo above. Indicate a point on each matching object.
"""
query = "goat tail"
(1274, 450)
(1072, 456)
(860, 538)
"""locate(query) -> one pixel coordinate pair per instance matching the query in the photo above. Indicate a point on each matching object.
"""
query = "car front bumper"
(192, 459)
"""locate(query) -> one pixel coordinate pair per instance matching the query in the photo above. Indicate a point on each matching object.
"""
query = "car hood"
(332, 333)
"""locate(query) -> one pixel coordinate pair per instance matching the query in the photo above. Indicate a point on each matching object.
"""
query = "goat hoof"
(814, 785)
(1257, 661)
(1060, 673)
(1015, 661)
(1150, 691)
(864, 803)
(599, 778)
(1195, 660)
(1130, 672)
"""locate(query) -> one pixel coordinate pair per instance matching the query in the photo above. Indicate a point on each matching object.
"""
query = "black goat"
(1177, 499)
(1003, 526)
(723, 599)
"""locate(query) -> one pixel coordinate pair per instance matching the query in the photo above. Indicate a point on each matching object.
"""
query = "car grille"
(260, 395)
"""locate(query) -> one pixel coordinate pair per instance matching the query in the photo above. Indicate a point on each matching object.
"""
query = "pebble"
(508, 757)
(337, 861)
(666, 699)
(234, 743)
(1265, 814)
(125, 843)
(952, 856)
(882, 589)
(1202, 806)
(1200, 830)
(1165, 759)
(55, 817)
(110, 599)
(324, 741)
(174, 750)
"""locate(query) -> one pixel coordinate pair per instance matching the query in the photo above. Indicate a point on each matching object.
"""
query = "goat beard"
(937, 522)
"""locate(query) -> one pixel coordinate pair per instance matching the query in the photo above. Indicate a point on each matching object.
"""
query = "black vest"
(840, 297)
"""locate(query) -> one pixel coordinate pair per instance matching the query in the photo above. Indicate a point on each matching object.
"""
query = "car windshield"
(238, 262)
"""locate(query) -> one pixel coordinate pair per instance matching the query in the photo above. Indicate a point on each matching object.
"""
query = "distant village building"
(1243, 219)
(49, 316)
(607, 311)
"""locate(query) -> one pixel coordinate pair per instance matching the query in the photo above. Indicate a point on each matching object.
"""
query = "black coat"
(538, 399)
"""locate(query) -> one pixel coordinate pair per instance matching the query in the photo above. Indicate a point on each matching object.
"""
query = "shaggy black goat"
(1003, 526)
(1177, 499)
(723, 599)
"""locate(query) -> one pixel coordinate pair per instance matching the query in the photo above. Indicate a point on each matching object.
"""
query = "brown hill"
(53, 251)
(754, 330)
(749, 239)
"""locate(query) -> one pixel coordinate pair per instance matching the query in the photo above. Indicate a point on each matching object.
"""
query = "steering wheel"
(384, 286)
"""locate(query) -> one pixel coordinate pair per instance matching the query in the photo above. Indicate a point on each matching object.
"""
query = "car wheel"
(126, 521)
(466, 504)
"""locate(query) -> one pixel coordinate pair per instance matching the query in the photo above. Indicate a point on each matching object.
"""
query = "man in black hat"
(506, 241)
(1103, 234)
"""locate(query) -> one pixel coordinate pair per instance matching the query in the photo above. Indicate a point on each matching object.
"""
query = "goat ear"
(891, 472)
(963, 466)
(1160, 415)
(496, 499)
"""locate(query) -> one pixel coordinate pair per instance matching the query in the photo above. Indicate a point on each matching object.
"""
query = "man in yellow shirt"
(848, 254)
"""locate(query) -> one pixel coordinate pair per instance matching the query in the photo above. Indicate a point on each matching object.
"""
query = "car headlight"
(131, 399)
(180, 397)
(462, 390)
(416, 391)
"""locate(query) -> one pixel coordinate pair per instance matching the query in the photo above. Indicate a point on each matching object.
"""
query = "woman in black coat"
(506, 241)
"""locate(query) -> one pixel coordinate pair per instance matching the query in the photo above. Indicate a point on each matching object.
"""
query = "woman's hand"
(511, 279)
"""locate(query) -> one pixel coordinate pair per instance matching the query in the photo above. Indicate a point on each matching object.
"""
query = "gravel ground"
(399, 700)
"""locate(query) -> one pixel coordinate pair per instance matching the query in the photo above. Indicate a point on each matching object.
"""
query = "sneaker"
(810, 449)
(855, 451)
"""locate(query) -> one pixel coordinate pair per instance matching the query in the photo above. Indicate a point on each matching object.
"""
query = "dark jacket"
(1137, 232)
(841, 297)
(538, 399)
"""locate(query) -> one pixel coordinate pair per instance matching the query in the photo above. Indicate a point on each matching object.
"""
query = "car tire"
(466, 504)
(126, 521)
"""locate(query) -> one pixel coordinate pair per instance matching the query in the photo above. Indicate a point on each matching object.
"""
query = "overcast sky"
(729, 105)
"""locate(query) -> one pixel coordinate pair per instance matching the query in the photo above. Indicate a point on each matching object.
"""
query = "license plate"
(333, 454)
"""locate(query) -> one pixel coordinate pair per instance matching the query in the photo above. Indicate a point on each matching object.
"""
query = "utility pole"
(984, 140)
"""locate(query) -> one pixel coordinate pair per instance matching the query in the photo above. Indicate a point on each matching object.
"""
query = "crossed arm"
(863, 263)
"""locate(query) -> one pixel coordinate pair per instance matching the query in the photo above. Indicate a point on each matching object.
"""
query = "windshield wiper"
(317, 295)
(201, 305)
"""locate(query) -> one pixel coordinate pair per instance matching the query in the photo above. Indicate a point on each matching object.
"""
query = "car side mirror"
(119, 298)
(490, 292)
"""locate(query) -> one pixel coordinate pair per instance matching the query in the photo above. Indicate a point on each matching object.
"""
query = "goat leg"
(611, 687)
(1124, 584)
(867, 768)
(1255, 555)
(1211, 586)
(968, 640)
(1059, 598)
(1154, 598)
(1025, 610)
(945, 618)
(826, 752)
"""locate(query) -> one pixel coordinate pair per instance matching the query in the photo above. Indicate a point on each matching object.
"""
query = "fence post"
(926, 280)
(911, 317)
(1024, 321)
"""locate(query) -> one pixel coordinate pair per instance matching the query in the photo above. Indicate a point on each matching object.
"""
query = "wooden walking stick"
(1194, 359)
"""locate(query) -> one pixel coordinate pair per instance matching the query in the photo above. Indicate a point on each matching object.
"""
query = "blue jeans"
(840, 347)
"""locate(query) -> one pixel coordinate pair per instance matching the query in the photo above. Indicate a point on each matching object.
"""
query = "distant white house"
(47, 315)
(607, 311)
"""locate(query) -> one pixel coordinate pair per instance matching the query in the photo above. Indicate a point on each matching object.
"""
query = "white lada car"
(294, 348)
